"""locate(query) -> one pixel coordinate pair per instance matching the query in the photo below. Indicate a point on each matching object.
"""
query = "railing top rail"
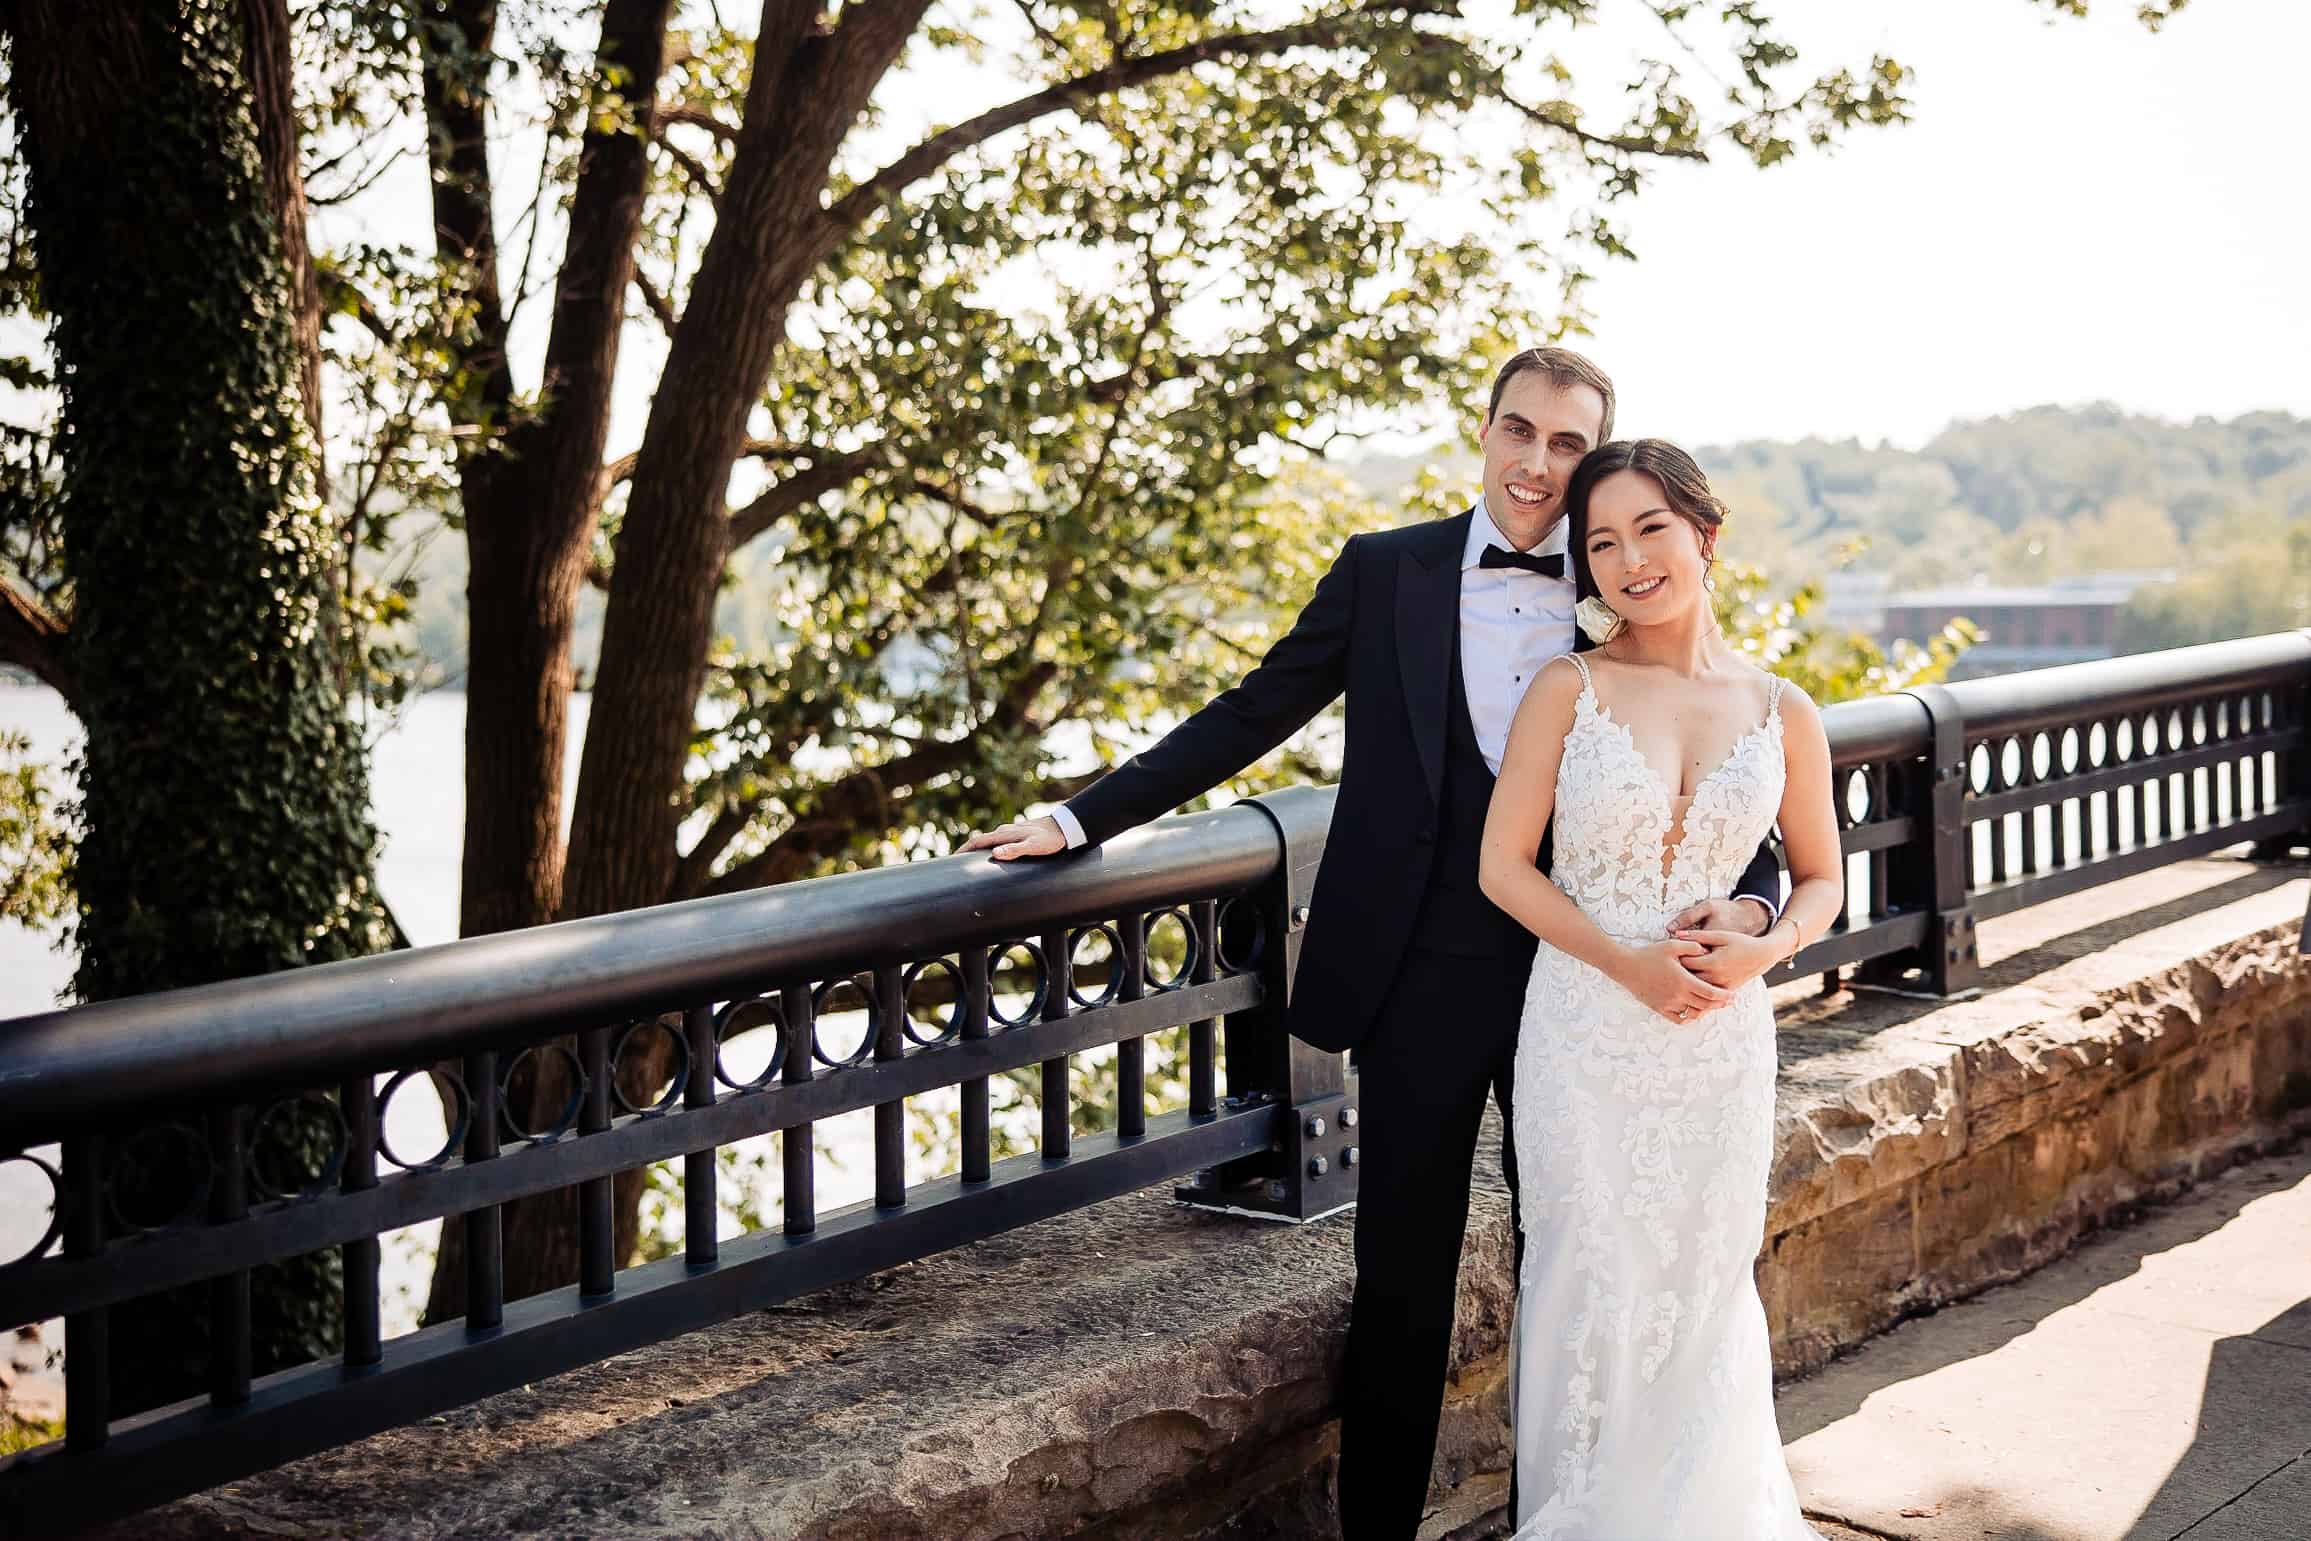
(311, 1026)
(2068, 693)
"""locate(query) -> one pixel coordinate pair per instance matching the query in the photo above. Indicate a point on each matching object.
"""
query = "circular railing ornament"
(949, 1029)
(454, 1137)
(748, 1014)
(55, 1226)
(260, 1154)
(675, 1086)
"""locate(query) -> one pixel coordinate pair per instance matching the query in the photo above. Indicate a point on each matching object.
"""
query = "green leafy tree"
(2248, 574)
(35, 849)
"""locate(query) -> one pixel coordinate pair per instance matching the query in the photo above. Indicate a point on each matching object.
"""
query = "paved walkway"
(2154, 1385)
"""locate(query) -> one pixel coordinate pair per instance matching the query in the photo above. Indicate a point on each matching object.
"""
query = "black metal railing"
(1956, 802)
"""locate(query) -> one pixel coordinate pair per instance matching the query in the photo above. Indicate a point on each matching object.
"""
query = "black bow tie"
(1552, 566)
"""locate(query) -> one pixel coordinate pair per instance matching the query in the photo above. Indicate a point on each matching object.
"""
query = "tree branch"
(622, 468)
(697, 864)
(821, 476)
(661, 307)
(35, 639)
(842, 807)
(693, 168)
(696, 117)
(953, 498)
(940, 148)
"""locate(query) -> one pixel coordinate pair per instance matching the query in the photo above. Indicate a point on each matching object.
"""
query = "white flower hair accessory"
(1600, 620)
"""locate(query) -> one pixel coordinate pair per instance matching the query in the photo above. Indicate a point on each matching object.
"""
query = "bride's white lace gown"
(1642, 1382)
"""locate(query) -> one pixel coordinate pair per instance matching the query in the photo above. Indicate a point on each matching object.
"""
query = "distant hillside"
(2020, 499)
(2040, 493)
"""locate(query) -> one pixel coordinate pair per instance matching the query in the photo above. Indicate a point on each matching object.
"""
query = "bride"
(1643, 1093)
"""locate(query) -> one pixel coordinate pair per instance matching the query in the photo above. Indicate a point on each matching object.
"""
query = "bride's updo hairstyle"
(1683, 487)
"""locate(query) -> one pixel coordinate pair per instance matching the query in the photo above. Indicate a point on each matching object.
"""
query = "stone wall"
(1137, 1370)
(1925, 1151)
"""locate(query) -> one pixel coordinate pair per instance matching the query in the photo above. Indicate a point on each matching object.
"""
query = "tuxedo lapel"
(1427, 618)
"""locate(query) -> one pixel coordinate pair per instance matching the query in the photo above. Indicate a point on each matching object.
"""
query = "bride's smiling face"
(1647, 559)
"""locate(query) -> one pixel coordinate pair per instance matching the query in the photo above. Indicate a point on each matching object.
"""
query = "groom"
(1433, 631)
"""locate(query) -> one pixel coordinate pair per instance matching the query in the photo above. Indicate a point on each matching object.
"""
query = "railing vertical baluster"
(978, 1142)
(2171, 802)
(2030, 847)
(228, 1292)
(597, 1203)
(485, 1269)
(1881, 891)
(2226, 774)
(1059, 968)
(364, 1336)
(2250, 776)
(1203, 1033)
(2137, 834)
(888, 1019)
(87, 1334)
(800, 1191)
(1131, 1053)
(701, 1210)
(1999, 870)
(2195, 801)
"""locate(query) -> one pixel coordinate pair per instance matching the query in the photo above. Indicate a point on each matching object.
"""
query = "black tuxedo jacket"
(1381, 628)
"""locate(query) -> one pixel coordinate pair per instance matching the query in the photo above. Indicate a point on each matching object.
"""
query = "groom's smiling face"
(1532, 441)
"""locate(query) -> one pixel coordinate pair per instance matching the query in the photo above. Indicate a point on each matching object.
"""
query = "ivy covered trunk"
(223, 789)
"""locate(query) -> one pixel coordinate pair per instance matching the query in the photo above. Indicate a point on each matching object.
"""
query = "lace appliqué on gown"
(1643, 1382)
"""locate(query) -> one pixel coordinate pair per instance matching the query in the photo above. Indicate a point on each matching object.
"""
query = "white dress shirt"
(1511, 622)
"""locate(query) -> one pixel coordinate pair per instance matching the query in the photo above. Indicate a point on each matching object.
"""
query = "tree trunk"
(224, 795)
(531, 504)
(771, 232)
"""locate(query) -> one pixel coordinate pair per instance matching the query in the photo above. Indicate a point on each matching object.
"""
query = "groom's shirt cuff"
(1068, 826)
(1772, 910)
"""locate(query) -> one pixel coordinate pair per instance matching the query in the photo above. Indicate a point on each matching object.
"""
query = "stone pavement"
(2154, 1385)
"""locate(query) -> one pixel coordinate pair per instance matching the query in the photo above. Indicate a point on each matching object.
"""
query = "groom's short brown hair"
(1565, 369)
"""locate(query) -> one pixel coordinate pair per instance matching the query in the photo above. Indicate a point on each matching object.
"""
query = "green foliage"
(35, 848)
(20, 1433)
(2249, 573)
(2038, 494)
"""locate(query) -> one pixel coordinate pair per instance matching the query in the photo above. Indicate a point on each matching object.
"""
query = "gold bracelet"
(1797, 932)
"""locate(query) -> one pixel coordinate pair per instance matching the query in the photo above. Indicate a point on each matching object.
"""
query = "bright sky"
(2081, 211)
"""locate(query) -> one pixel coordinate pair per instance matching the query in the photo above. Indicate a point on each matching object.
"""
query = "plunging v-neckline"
(1673, 821)
(1598, 706)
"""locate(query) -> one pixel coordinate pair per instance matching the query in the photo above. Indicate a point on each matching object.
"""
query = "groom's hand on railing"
(1028, 837)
